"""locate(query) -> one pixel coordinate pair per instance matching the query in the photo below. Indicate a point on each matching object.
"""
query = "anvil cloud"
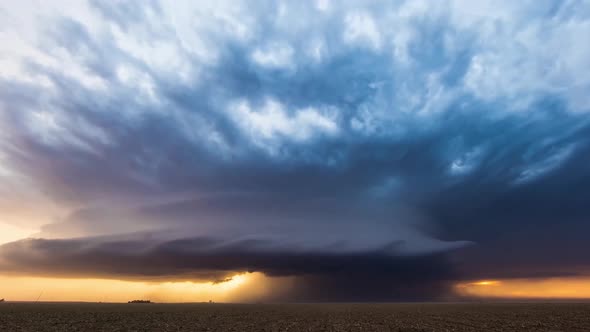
(395, 146)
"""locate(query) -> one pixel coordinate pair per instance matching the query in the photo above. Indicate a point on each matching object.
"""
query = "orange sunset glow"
(245, 287)
(240, 288)
(551, 288)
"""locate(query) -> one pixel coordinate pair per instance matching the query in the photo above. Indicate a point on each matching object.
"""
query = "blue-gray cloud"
(431, 125)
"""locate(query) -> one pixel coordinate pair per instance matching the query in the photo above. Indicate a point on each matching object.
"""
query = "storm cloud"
(392, 145)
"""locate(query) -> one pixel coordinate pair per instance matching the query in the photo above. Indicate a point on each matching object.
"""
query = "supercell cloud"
(374, 151)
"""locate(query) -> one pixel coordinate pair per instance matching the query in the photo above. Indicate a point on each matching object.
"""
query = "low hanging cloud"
(403, 142)
(143, 257)
(329, 272)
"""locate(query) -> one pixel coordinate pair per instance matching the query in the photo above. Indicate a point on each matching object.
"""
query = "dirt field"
(294, 317)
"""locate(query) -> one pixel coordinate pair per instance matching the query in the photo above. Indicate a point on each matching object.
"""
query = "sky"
(294, 150)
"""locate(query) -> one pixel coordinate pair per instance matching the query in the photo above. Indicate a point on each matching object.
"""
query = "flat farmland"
(295, 317)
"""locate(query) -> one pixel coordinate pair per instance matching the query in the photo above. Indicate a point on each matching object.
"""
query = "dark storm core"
(379, 275)
(400, 211)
